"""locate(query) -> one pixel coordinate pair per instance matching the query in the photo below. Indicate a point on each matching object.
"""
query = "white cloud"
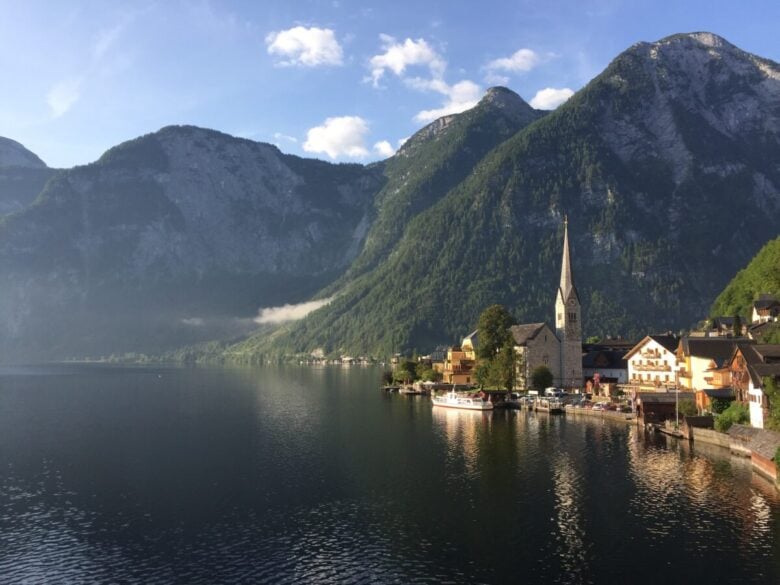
(460, 97)
(520, 61)
(63, 95)
(550, 98)
(285, 137)
(194, 321)
(307, 47)
(402, 141)
(289, 312)
(384, 148)
(398, 56)
(106, 39)
(492, 78)
(339, 136)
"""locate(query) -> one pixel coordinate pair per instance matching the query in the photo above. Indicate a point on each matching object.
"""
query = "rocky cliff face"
(170, 232)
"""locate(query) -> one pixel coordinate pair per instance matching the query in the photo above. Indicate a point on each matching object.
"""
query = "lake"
(313, 475)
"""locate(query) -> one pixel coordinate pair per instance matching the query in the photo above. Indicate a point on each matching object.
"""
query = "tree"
(499, 371)
(493, 330)
(718, 405)
(541, 378)
(772, 392)
(737, 326)
(427, 374)
(734, 414)
(405, 371)
(687, 408)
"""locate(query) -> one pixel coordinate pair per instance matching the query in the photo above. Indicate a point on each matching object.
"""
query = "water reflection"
(569, 521)
(462, 430)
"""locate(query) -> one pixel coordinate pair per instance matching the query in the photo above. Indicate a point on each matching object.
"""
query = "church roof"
(522, 334)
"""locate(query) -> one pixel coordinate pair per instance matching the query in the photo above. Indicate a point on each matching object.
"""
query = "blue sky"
(338, 79)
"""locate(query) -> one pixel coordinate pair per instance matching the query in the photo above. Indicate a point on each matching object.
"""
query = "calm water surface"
(298, 475)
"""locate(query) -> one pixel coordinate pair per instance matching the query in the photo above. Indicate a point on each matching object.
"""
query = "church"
(536, 344)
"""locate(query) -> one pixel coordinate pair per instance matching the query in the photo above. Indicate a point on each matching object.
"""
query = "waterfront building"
(604, 365)
(460, 362)
(749, 365)
(652, 363)
(701, 362)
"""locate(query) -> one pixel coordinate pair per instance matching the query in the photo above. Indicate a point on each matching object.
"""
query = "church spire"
(567, 280)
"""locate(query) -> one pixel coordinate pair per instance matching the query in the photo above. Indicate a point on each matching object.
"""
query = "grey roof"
(718, 350)
(669, 342)
(600, 358)
(766, 301)
(719, 392)
(765, 443)
(726, 322)
(756, 358)
(768, 351)
(663, 397)
(526, 331)
(757, 330)
(742, 433)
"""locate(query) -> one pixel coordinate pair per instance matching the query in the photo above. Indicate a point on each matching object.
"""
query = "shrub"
(734, 414)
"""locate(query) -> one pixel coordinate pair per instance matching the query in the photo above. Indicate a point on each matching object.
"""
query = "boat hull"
(463, 405)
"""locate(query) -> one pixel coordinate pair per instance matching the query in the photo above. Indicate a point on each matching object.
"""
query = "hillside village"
(724, 368)
(725, 360)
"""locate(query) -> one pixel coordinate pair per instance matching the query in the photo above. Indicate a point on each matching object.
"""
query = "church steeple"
(568, 320)
(567, 280)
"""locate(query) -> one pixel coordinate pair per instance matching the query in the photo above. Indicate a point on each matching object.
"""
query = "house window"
(546, 359)
(573, 317)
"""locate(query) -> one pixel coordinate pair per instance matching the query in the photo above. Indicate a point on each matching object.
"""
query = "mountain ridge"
(629, 175)
(180, 235)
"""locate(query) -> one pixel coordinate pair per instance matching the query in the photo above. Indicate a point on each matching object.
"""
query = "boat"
(453, 400)
(551, 405)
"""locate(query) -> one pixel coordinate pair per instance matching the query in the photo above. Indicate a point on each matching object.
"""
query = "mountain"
(435, 160)
(13, 154)
(761, 275)
(174, 237)
(666, 166)
(22, 176)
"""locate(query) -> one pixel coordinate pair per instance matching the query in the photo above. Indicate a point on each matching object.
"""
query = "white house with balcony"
(652, 363)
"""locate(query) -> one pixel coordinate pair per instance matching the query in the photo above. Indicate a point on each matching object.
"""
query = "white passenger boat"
(453, 400)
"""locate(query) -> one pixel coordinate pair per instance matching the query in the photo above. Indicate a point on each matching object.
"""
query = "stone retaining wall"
(711, 436)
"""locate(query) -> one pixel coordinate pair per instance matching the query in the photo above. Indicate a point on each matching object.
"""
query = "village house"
(766, 308)
(652, 363)
(602, 364)
(701, 362)
(749, 365)
(723, 327)
(460, 362)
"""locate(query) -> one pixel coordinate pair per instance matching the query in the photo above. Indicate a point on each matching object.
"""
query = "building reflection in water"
(570, 533)
(462, 429)
(673, 475)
